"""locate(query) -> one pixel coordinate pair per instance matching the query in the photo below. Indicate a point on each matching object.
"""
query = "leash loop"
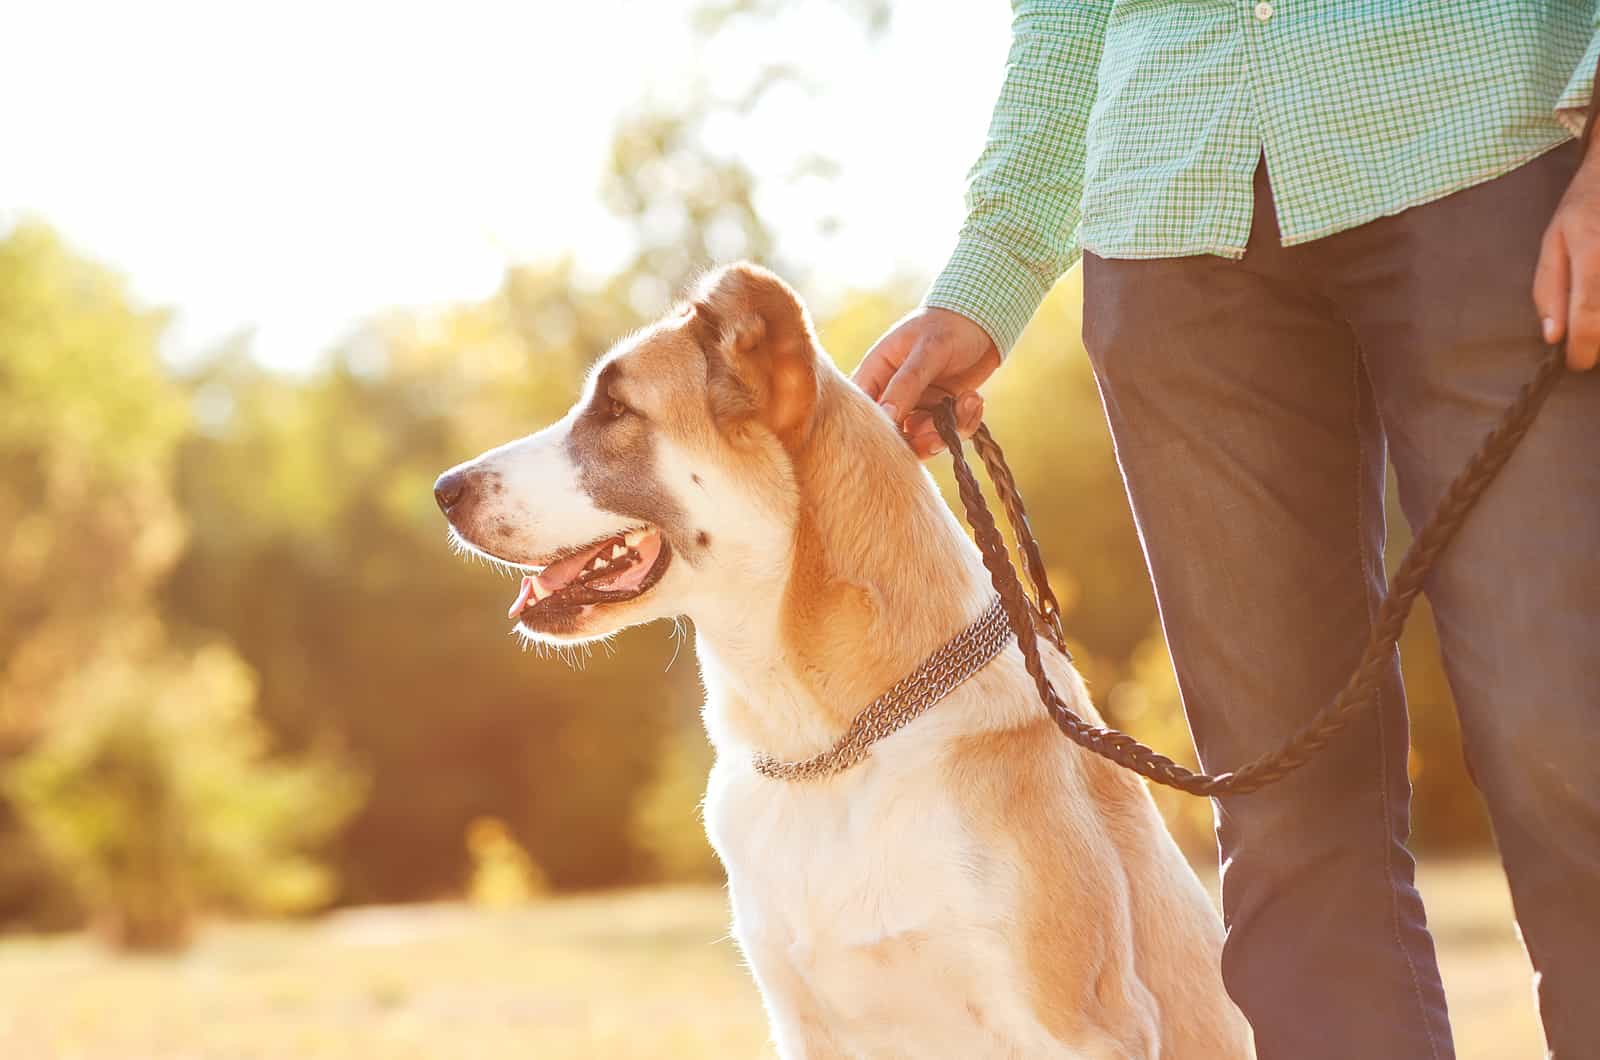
(1029, 618)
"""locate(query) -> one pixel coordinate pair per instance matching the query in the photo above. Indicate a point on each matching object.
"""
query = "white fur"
(535, 471)
(819, 873)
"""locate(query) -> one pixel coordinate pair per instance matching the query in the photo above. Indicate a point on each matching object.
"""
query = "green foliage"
(503, 874)
(1145, 703)
(88, 425)
(155, 791)
(135, 783)
(87, 432)
(81, 384)
(667, 814)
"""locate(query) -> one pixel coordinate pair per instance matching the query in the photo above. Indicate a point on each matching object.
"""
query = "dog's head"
(671, 476)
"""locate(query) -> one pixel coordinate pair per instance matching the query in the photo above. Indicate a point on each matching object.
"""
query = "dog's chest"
(867, 906)
(853, 860)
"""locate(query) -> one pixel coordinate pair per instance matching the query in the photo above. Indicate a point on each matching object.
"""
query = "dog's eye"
(615, 409)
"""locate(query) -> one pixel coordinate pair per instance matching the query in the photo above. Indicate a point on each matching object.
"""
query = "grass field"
(642, 975)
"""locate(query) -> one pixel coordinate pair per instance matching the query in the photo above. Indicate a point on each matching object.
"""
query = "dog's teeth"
(600, 563)
(617, 551)
(634, 537)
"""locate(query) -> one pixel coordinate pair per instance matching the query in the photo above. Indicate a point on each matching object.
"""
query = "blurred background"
(274, 780)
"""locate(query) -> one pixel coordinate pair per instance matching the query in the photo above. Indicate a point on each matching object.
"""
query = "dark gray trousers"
(1252, 403)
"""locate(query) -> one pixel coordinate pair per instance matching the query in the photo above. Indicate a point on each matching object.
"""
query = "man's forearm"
(1024, 191)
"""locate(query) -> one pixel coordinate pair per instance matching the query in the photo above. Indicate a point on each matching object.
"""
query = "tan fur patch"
(1073, 922)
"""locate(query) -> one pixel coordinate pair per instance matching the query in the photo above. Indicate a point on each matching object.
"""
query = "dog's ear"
(761, 353)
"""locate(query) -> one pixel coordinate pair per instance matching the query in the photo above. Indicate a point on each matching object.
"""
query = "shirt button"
(1263, 11)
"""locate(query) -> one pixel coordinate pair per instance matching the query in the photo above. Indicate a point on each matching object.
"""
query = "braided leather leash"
(1357, 695)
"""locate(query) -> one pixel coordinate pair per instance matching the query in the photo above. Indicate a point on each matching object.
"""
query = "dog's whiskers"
(679, 637)
(569, 654)
(462, 547)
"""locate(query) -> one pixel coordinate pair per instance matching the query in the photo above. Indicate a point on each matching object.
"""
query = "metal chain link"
(906, 700)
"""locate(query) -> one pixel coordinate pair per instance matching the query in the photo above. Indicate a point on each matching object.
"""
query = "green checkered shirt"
(1132, 128)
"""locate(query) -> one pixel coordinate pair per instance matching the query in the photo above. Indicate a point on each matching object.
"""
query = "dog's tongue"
(523, 596)
(561, 572)
(556, 576)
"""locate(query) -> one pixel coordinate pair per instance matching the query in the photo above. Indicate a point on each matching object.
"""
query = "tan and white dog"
(978, 886)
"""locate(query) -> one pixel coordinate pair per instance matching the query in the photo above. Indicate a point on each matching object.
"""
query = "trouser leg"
(1439, 297)
(1248, 440)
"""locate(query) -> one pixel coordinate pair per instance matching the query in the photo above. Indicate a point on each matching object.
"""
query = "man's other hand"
(930, 353)
(1566, 285)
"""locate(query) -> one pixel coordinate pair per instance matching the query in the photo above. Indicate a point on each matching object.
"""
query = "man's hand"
(1566, 285)
(929, 354)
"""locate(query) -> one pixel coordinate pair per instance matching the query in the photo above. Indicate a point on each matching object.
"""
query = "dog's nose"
(451, 488)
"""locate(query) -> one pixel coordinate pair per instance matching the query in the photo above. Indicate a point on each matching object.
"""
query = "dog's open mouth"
(620, 567)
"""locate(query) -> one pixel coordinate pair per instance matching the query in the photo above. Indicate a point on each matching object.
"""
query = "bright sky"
(289, 168)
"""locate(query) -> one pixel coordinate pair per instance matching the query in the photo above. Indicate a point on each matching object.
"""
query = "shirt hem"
(1235, 253)
(1423, 199)
(1145, 253)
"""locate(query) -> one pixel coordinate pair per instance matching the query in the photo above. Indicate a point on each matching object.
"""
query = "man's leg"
(1440, 298)
(1253, 459)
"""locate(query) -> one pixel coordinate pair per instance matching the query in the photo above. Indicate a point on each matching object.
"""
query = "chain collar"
(908, 699)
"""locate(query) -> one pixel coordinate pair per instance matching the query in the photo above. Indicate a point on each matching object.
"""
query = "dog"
(975, 885)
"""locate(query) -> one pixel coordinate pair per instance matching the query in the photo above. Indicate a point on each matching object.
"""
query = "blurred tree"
(105, 735)
(153, 789)
(87, 523)
(502, 872)
(86, 526)
(1145, 703)
(667, 821)
(687, 207)
(677, 174)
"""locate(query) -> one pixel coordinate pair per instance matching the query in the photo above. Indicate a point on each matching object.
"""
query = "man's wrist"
(988, 285)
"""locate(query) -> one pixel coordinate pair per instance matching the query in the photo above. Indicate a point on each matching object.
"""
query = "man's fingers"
(1583, 312)
(905, 388)
(1566, 292)
(878, 366)
(969, 413)
(1551, 280)
(923, 436)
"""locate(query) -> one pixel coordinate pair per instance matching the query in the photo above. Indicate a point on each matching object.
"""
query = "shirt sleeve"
(1024, 191)
(1573, 106)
